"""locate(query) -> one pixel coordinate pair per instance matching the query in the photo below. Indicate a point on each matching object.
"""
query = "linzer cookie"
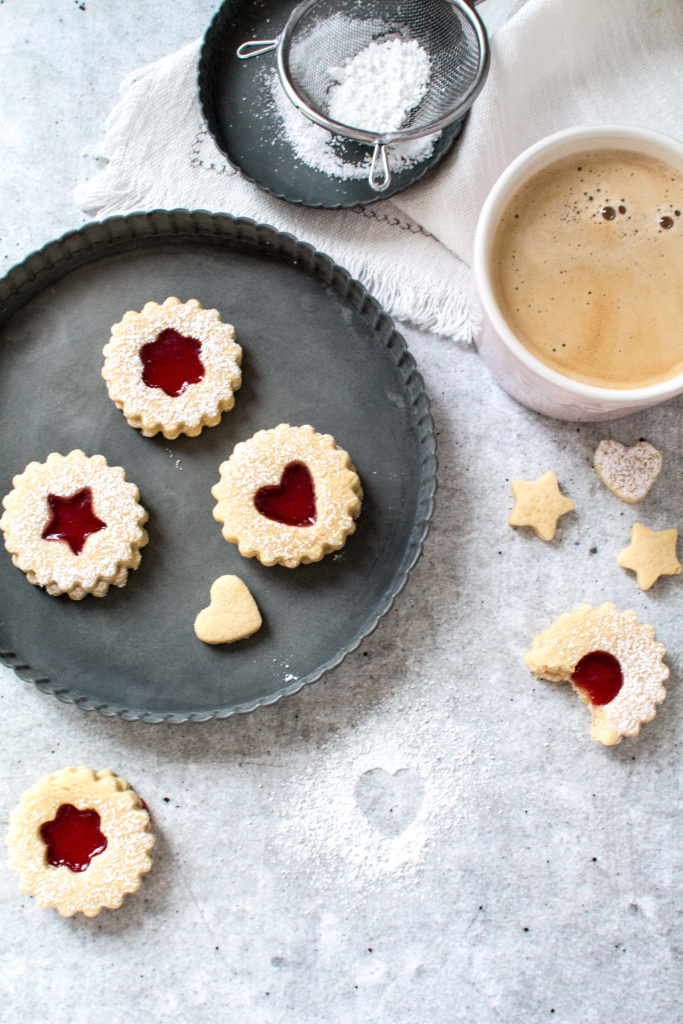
(172, 368)
(74, 525)
(613, 662)
(288, 496)
(80, 841)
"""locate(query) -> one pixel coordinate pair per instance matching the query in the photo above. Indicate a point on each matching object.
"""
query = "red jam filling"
(72, 519)
(292, 501)
(172, 362)
(73, 838)
(599, 676)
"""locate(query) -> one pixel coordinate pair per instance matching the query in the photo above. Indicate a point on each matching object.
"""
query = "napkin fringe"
(137, 136)
(454, 317)
(111, 189)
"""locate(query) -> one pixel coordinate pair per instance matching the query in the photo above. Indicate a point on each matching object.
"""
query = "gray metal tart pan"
(317, 349)
(248, 130)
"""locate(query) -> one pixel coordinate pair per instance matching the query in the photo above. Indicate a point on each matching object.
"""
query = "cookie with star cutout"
(74, 525)
(539, 504)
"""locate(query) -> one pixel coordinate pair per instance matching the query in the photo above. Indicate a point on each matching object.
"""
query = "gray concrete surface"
(426, 836)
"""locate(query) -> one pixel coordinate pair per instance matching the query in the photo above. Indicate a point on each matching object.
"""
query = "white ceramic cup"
(520, 373)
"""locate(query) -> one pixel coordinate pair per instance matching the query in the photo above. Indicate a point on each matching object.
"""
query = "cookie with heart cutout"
(172, 368)
(613, 662)
(80, 841)
(288, 496)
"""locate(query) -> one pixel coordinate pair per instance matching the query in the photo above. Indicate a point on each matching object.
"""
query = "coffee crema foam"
(587, 268)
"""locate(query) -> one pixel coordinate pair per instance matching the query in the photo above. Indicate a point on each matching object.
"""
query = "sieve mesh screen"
(328, 34)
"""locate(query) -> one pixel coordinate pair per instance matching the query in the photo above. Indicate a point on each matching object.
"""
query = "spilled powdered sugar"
(380, 797)
(375, 87)
(323, 151)
(106, 552)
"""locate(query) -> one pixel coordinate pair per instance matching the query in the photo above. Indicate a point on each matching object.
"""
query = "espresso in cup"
(587, 268)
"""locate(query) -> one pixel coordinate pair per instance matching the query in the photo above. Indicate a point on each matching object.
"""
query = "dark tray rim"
(208, 57)
(97, 239)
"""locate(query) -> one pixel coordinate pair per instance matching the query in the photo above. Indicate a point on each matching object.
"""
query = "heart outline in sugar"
(232, 613)
(628, 473)
(390, 801)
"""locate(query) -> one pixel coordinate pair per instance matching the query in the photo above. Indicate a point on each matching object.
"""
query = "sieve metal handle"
(246, 50)
(379, 182)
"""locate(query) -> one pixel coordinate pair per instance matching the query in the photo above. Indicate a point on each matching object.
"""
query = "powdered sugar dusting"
(374, 84)
(323, 151)
(342, 838)
(380, 86)
(628, 472)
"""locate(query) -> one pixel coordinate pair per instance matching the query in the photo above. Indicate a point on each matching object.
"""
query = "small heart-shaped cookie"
(628, 472)
(231, 615)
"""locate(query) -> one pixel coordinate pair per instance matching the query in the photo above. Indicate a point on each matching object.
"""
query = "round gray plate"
(245, 125)
(317, 349)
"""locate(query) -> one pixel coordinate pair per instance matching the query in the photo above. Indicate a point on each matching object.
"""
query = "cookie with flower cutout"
(80, 841)
(73, 524)
(613, 662)
(173, 367)
(288, 496)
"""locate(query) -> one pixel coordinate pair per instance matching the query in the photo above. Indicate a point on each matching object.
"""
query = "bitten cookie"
(288, 496)
(613, 662)
(172, 368)
(80, 841)
(73, 524)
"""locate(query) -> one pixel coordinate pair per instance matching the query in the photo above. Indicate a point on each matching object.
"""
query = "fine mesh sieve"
(323, 36)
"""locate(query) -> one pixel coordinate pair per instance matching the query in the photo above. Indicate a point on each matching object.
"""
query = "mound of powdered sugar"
(372, 85)
(379, 88)
(323, 151)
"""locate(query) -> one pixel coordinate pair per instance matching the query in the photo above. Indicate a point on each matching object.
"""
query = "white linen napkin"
(554, 64)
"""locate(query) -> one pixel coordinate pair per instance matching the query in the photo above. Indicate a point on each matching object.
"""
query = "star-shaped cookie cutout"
(651, 554)
(72, 519)
(539, 504)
